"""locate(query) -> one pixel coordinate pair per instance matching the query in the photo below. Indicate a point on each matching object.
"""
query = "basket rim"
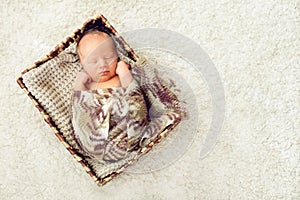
(53, 53)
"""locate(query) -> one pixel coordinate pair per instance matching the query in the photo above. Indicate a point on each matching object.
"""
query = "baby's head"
(97, 53)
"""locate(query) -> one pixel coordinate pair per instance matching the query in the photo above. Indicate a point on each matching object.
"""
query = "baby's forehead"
(93, 39)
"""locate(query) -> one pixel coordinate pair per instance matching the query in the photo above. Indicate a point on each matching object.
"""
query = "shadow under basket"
(48, 83)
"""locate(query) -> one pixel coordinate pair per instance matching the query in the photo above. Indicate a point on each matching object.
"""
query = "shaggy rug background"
(254, 46)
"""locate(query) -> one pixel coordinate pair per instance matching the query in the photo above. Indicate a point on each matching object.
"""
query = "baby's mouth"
(104, 72)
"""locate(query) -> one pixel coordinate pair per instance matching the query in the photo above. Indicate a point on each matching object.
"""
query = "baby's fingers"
(123, 64)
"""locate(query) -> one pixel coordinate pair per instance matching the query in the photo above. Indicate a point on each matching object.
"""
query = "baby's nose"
(101, 63)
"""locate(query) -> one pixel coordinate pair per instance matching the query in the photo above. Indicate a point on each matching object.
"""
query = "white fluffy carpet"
(254, 46)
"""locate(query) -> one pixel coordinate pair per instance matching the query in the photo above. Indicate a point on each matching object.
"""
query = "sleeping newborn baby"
(109, 113)
(108, 109)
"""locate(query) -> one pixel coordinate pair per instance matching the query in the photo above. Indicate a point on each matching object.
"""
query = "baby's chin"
(101, 79)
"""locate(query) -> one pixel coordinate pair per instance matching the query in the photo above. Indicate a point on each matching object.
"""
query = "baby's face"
(98, 56)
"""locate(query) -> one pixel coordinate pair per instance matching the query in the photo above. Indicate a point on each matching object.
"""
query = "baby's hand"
(122, 68)
(124, 74)
(81, 81)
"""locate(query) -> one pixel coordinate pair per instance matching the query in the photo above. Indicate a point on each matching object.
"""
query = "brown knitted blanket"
(110, 123)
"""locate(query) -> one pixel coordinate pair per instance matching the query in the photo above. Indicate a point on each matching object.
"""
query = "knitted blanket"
(110, 123)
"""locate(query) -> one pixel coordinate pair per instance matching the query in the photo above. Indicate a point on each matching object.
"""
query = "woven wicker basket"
(48, 84)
